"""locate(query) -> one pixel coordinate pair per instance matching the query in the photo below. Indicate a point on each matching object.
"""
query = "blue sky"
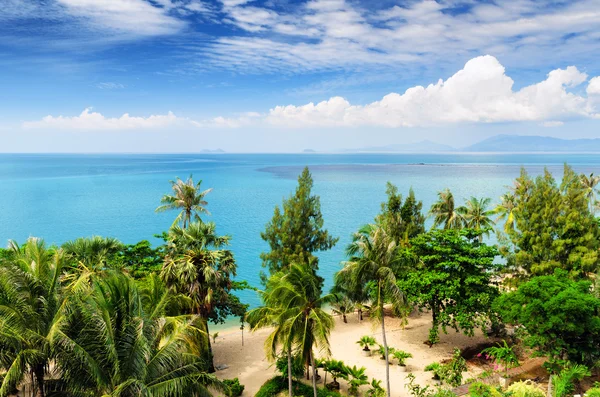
(186, 75)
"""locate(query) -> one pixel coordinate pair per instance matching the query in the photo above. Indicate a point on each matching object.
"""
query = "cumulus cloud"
(593, 87)
(480, 92)
(89, 120)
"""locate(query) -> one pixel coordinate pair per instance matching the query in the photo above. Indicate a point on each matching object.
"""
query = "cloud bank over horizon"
(480, 92)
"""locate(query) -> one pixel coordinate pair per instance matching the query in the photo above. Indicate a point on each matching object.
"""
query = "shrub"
(366, 341)
(276, 385)
(376, 390)
(450, 373)
(235, 387)
(381, 352)
(525, 389)
(504, 355)
(593, 392)
(564, 383)
(297, 366)
(401, 356)
(436, 368)
(480, 389)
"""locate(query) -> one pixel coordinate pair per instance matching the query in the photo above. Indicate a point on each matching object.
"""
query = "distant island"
(212, 151)
(498, 143)
(309, 151)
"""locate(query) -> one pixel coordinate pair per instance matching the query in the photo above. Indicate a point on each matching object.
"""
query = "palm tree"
(187, 198)
(359, 378)
(342, 307)
(476, 215)
(307, 324)
(590, 184)
(198, 266)
(93, 252)
(507, 210)
(115, 342)
(273, 315)
(444, 212)
(373, 256)
(30, 304)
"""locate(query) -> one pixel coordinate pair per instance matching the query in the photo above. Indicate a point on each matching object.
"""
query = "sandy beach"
(248, 362)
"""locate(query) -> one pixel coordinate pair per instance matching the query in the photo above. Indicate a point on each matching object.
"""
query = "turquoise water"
(61, 197)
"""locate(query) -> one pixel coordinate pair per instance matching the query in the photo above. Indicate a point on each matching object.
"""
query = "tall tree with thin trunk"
(476, 215)
(590, 186)
(188, 198)
(444, 212)
(506, 210)
(373, 257)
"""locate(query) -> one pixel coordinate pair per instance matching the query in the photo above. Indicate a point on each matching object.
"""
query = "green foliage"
(376, 390)
(560, 316)
(503, 354)
(480, 389)
(296, 232)
(140, 259)
(564, 382)
(342, 306)
(188, 199)
(366, 341)
(336, 368)
(476, 215)
(401, 356)
(417, 390)
(444, 212)
(297, 366)
(359, 378)
(276, 385)
(381, 352)
(554, 227)
(402, 220)
(525, 389)
(450, 373)
(93, 253)
(450, 274)
(235, 388)
(593, 392)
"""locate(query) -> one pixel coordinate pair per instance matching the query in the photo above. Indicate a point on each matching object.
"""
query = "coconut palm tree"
(307, 324)
(273, 315)
(506, 210)
(188, 198)
(342, 306)
(444, 211)
(30, 304)
(113, 342)
(198, 266)
(590, 184)
(373, 256)
(92, 252)
(476, 215)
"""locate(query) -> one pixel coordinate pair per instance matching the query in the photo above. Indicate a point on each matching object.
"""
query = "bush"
(235, 387)
(276, 385)
(297, 366)
(480, 389)
(593, 392)
(525, 389)
(401, 356)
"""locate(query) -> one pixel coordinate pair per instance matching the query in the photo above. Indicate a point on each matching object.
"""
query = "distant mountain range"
(498, 143)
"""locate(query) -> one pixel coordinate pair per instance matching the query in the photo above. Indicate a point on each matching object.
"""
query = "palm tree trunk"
(289, 354)
(385, 346)
(344, 317)
(314, 373)
(39, 377)
(211, 364)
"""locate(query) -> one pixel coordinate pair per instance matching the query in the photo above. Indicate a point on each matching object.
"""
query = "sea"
(60, 197)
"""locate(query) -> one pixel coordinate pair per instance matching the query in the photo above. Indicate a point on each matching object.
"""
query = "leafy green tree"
(444, 211)
(94, 253)
(373, 256)
(141, 259)
(450, 275)
(114, 341)
(30, 308)
(296, 231)
(402, 220)
(554, 227)
(188, 198)
(199, 265)
(560, 316)
(342, 306)
(476, 215)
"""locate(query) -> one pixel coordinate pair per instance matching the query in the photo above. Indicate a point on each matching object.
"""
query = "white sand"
(248, 363)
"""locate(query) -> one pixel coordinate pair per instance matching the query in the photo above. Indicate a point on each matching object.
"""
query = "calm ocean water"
(61, 197)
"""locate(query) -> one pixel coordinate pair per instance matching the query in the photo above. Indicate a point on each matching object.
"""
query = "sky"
(284, 75)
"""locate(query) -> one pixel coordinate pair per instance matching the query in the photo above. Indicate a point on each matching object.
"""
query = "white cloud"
(110, 86)
(480, 92)
(593, 87)
(89, 120)
(137, 17)
(551, 124)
